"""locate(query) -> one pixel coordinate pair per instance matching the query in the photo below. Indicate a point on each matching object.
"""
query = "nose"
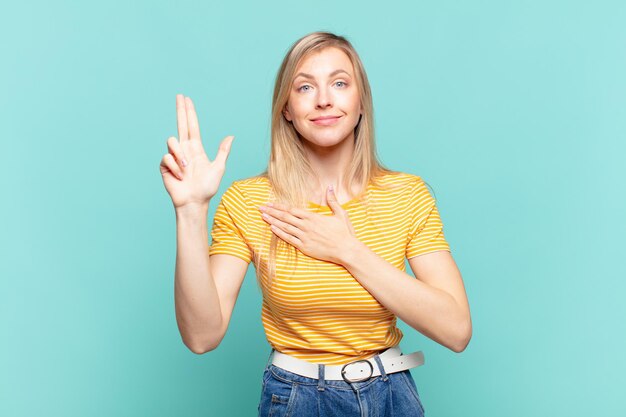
(324, 99)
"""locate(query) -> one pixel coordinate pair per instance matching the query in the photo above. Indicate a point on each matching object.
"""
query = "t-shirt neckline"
(344, 205)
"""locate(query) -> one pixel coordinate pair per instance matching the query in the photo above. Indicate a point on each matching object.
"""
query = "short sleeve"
(229, 226)
(426, 229)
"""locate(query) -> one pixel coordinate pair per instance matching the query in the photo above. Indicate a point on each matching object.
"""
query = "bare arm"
(206, 287)
(198, 312)
(434, 304)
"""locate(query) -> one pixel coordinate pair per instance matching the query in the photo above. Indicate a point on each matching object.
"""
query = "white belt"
(392, 359)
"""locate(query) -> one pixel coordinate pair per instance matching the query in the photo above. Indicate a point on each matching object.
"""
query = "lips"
(326, 120)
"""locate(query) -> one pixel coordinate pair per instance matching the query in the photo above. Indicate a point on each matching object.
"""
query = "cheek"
(351, 102)
(298, 109)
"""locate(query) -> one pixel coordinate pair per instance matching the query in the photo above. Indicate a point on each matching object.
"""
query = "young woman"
(328, 229)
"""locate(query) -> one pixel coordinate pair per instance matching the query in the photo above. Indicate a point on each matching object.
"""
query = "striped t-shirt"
(316, 310)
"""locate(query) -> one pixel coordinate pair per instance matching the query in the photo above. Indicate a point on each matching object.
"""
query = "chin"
(325, 142)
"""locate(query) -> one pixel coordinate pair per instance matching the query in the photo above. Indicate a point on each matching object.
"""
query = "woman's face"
(324, 104)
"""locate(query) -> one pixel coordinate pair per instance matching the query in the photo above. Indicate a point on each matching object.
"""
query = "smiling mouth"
(327, 120)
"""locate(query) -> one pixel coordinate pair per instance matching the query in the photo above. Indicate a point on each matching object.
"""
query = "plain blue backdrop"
(513, 112)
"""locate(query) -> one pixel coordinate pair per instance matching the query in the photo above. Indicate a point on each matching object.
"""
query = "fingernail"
(330, 187)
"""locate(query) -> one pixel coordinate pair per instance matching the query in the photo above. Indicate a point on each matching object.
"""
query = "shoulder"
(399, 182)
(253, 185)
(403, 190)
(251, 189)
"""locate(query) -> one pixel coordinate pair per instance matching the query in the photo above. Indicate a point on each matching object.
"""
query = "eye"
(341, 83)
(305, 87)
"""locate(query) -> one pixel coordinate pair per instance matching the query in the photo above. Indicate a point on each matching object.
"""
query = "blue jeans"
(388, 395)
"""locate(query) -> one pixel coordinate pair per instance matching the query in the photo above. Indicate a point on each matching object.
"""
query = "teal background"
(514, 113)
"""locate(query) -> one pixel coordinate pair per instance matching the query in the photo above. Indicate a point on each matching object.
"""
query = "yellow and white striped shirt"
(316, 310)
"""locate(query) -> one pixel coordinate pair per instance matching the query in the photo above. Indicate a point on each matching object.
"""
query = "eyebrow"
(335, 72)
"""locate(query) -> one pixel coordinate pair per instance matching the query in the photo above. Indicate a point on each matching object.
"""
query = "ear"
(286, 114)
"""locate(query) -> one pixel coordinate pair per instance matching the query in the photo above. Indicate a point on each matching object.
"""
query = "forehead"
(325, 61)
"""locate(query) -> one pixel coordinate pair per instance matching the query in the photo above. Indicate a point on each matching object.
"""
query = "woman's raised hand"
(189, 176)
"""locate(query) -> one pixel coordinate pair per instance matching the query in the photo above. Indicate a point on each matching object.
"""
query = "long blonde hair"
(288, 169)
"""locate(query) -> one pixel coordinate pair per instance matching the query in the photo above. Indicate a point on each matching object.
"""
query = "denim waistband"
(290, 377)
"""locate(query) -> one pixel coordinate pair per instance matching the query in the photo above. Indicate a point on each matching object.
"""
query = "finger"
(294, 211)
(292, 230)
(192, 120)
(169, 164)
(224, 150)
(331, 198)
(173, 147)
(181, 117)
(286, 236)
(283, 215)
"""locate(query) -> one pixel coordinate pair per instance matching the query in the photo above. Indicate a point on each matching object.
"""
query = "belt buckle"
(343, 371)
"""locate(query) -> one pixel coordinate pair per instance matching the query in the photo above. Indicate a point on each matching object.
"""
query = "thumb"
(224, 150)
(331, 198)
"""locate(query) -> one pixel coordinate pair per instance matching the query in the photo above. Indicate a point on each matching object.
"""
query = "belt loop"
(321, 377)
(381, 367)
(269, 360)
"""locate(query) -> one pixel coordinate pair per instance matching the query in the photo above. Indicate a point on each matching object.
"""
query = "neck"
(329, 165)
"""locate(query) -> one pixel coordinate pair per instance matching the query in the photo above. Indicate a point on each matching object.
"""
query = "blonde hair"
(288, 170)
